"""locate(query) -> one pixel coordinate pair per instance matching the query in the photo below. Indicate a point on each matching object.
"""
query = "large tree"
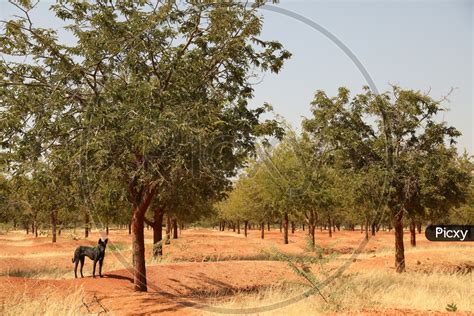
(396, 132)
(148, 88)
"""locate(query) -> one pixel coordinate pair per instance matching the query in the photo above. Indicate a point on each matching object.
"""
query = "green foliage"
(150, 99)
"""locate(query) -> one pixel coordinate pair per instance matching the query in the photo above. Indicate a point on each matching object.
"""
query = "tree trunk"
(292, 227)
(130, 228)
(312, 232)
(138, 239)
(366, 229)
(238, 227)
(246, 224)
(281, 226)
(107, 229)
(268, 225)
(303, 226)
(175, 228)
(138, 246)
(399, 248)
(262, 228)
(233, 227)
(412, 233)
(34, 228)
(418, 226)
(168, 230)
(53, 224)
(330, 226)
(285, 228)
(86, 224)
(158, 232)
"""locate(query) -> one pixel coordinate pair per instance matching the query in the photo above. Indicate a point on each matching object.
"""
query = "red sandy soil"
(180, 282)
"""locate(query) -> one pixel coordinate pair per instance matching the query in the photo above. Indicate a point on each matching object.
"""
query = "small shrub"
(451, 307)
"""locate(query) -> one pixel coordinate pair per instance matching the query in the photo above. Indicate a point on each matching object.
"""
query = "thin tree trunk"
(53, 224)
(285, 228)
(399, 248)
(262, 228)
(130, 228)
(418, 226)
(412, 233)
(268, 225)
(107, 229)
(86, 224)
(303, 226)
(246, 224)
(330, 226)
(366, 229)
(281, 226)
(238, 227)
(312, 232)
(175, 228)
(158, 232)
(372, 228)
(168, 230)
(292, 227)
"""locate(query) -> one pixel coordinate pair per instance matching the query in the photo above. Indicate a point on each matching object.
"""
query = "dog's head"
(103, 244)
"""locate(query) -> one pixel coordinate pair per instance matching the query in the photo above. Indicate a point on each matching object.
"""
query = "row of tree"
(369, 160)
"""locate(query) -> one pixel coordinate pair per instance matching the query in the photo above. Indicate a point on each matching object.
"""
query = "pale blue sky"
(416, 44)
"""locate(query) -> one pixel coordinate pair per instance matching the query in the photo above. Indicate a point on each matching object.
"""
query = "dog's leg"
(82, 265)
(93, 271)
(76, 261)
(101, 261)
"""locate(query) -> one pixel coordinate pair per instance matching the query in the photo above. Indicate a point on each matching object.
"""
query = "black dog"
(94, 253)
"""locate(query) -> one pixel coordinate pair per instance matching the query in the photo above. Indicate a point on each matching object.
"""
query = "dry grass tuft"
(379, 290)
(47, 303)
(40, 273)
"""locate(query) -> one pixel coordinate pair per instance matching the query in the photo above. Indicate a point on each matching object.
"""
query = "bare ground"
(204, 263)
